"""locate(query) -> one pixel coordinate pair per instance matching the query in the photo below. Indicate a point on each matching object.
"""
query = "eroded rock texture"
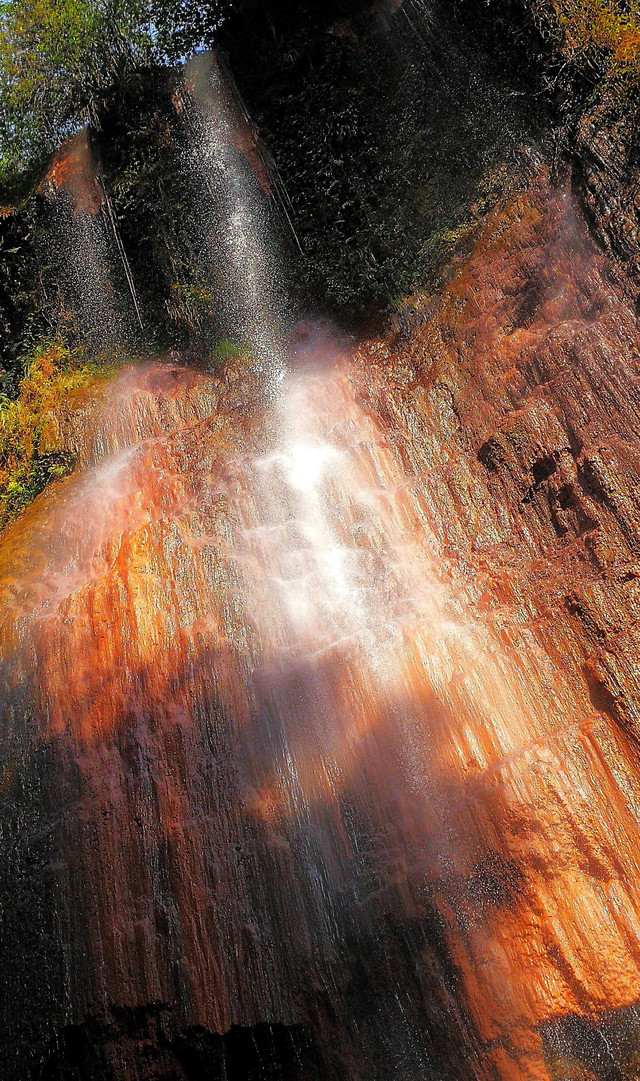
(322, 715)
(606, 166)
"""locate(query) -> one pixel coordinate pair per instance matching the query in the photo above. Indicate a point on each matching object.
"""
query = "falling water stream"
(97, 281)
(235, 231)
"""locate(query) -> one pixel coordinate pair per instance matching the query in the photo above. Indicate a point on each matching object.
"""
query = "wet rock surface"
(527, 377)
(322, 714)
(607, 171)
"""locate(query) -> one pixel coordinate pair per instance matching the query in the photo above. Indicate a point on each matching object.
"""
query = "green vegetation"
(31, 451)
(227, 350)
(60, 58)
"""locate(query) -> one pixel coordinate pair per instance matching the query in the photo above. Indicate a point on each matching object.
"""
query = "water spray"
(88, 232)
(235, 234)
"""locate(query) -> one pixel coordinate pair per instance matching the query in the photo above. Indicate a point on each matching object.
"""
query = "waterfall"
(99, 286)
(232, 221)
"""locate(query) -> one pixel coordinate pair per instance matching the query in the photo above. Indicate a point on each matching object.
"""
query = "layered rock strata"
(322, 715)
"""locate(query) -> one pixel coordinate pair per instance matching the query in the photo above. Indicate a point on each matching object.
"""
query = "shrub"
(31, 453)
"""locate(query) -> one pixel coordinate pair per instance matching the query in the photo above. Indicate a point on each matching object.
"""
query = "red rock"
(359, 753)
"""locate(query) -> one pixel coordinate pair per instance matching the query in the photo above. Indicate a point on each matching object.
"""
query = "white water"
(234, 229)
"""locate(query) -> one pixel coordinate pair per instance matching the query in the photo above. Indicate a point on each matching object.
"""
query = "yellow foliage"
(596, 30)
(30, 450)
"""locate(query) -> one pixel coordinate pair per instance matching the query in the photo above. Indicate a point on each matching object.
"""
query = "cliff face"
(526, 378)
(322, 714)
(608, 173)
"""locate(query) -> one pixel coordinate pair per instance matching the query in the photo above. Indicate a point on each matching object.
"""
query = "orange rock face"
(72, 171)
(322, 713)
